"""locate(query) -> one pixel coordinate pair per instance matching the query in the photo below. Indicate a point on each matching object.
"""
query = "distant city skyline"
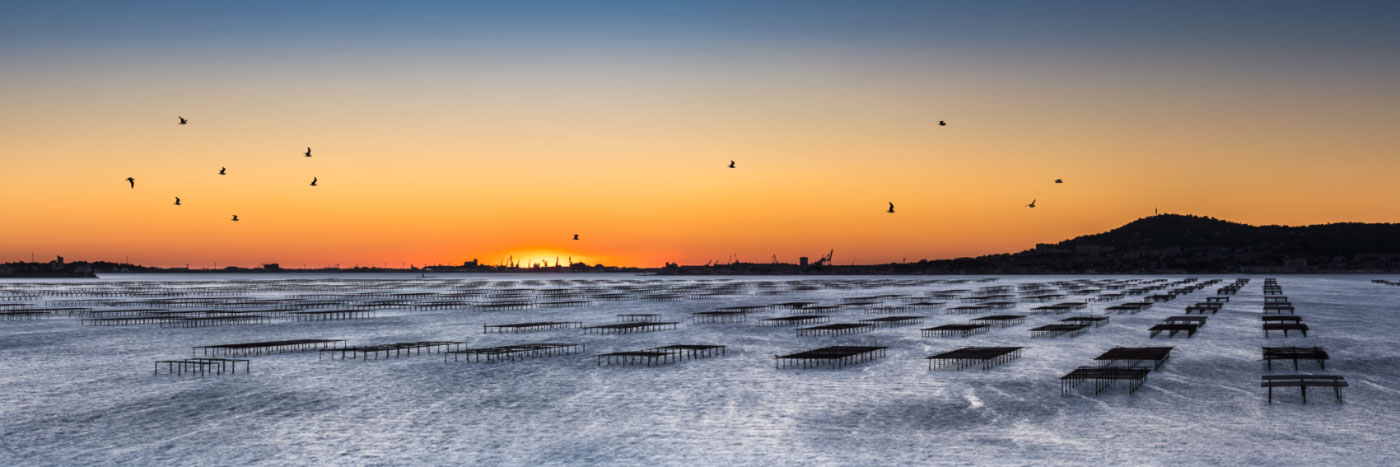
(450, 131)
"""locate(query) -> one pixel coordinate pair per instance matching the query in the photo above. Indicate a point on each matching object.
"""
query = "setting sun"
(528, 257)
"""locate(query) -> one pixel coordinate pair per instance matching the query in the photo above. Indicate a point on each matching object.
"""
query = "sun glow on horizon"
(546, 257)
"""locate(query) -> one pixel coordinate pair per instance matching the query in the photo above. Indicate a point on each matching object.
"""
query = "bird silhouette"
(182, 120)
(731, 164)
(235, 217)
(177, 200)
(308, 151)
(1032, 205)
(891, 211)
(132, 181)
(942, 123)
(313, 181)
(1059, 180)
(221, 170)
(575, 236)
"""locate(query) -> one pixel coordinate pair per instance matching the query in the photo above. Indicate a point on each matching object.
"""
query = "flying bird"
(1032, 205)
(222, 169)
(132, 181)
(235, 217)
(308, 151)
(182, 120)
(313, 181)
(731, 164)
(177, 200)
(575, 236)
(891, 211)
(1059, 180)
(942, 123)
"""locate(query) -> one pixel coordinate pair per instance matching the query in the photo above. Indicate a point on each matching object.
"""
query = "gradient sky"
(456, 130)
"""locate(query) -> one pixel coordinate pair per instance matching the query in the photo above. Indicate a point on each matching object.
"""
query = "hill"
(1183, 243)
(1166, 243)
(1203, 232)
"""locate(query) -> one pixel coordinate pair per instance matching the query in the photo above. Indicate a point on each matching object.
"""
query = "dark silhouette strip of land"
(1162, 244)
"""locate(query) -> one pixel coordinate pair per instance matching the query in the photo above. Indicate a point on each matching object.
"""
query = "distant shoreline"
(1161, 244)
(654, 273)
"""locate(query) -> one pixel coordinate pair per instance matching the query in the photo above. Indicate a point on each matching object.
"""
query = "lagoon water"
(83, 395)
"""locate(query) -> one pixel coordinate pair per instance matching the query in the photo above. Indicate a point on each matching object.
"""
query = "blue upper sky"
(1262, 27)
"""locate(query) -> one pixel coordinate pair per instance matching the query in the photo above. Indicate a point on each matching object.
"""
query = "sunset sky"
(447, 131)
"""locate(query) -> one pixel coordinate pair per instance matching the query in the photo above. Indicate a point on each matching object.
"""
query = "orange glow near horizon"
(641, 175)
(444, 155)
